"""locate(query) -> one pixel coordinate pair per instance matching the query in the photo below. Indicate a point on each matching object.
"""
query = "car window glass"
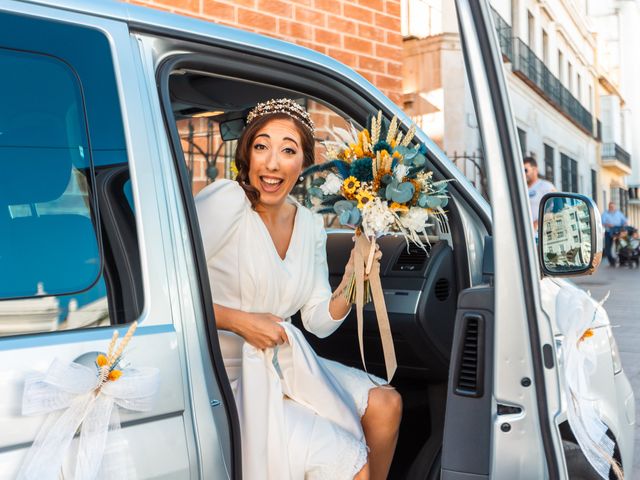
(47, 224)
(69, 254)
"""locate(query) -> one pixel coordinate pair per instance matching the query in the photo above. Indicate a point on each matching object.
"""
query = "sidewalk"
(623, 307)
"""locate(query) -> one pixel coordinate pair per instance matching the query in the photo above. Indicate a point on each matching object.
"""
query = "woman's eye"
(259, 146)
(289, 151)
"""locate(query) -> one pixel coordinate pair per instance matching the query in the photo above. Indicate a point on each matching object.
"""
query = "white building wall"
(629, 79)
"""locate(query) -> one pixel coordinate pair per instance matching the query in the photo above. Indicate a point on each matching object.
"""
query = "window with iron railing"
(614, 151)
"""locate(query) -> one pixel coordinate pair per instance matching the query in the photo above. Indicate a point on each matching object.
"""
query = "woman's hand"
(262, 330)
(349, 268)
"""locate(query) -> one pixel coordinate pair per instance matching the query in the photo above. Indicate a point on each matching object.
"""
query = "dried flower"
(350, 185)
(588, 333)
(363, 197)
(331, 185)
(398, 207)
(114, 375)
(101, 360)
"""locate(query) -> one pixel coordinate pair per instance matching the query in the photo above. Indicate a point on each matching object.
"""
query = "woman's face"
(276, 160)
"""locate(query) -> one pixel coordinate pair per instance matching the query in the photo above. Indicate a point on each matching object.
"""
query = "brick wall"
(363, 34)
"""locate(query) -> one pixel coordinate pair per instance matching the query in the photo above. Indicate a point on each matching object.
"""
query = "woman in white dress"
(301, 416)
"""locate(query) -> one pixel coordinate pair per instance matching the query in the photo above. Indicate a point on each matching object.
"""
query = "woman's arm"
(262, 330)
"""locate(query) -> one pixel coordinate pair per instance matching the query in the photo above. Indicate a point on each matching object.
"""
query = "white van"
(98, 229)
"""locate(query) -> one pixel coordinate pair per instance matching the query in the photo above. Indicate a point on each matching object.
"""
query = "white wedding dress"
(299, 413)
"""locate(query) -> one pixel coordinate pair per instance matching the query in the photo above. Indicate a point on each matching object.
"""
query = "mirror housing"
(231, 129)
(570, 235)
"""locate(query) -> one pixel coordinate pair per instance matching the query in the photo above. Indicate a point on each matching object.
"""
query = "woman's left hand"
(349, 268)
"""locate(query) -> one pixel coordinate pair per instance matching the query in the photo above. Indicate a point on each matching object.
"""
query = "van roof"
(151, 20)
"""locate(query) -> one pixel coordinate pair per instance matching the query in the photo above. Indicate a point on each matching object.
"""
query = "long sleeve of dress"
(220, 207)
(315, 312)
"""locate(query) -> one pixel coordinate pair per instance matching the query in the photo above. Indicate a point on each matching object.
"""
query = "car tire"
(578, 467)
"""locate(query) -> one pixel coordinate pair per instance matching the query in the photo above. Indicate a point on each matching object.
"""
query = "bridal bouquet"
(377, 183)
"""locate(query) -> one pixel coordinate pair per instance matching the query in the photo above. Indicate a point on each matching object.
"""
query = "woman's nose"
(273, 162)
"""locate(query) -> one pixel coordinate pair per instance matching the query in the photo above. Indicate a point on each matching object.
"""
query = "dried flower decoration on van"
(78, 397)
(376, 182)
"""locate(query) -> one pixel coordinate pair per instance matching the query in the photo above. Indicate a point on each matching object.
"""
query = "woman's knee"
(385, 402)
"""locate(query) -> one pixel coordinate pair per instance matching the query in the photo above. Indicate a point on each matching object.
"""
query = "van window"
(69, 254)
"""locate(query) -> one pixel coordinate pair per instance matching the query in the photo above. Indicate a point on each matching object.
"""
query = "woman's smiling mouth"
(270, 184)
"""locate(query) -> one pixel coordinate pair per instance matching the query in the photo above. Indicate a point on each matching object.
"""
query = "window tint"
(69, 254)
(50, 244)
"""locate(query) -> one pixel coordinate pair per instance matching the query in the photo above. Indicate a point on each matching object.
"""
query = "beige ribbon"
(366, 248)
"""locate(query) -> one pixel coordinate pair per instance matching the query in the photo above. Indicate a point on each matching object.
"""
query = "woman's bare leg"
(381, 423)
(363, 474)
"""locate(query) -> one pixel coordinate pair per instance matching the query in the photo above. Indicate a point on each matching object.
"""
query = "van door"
(91, 241)
(504, 394)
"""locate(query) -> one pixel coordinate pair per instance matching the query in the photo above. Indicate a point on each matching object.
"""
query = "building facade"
(571, 111)
(363, 34)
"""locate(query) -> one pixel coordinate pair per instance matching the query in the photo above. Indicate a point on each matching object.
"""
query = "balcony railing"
(527, 64)
(505, 35)
(616, 152)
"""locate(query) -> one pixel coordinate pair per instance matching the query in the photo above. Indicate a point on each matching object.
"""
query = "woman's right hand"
(262, 330)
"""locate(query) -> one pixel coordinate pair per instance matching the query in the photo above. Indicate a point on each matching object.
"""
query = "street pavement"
(623, 307)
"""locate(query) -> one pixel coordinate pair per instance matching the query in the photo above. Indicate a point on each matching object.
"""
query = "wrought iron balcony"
(526, 64)
(505, 35)
(613, 151)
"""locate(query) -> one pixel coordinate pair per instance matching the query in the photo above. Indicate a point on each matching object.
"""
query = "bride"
(301, 416)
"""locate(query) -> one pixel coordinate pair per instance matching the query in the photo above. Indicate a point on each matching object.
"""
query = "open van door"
(504, 394)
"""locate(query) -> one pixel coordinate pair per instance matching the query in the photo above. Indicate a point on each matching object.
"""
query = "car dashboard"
(420, 292)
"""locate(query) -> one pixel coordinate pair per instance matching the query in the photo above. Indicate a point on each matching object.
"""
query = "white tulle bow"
(69, 393)
(576, 315)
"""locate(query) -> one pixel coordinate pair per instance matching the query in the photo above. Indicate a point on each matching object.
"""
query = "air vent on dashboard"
(469, 376)
(442, 289)
(411, 259)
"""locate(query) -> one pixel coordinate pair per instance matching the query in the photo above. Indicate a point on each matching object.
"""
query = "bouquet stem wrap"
(365, 249)
(75, 398)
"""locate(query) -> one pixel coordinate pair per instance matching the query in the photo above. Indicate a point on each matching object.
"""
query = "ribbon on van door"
(365, 249)
(77, 397)
(579, 319)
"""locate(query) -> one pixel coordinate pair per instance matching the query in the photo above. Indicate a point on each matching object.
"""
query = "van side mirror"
(570, 235)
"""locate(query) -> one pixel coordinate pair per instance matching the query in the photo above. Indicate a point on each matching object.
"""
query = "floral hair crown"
(282, 105)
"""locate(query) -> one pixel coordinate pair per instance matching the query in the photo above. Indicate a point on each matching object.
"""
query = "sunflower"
(398, 207)
(363, 197)
(350, 185)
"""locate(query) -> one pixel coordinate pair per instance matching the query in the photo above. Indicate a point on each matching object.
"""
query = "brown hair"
(531, 161)
(243, 151)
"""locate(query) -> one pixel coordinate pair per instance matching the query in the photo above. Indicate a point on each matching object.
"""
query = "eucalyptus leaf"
(344, 217)
(315, 192)
(419, 160)
(401, 193)
(354, 217)
(343, 206)
(318, 181)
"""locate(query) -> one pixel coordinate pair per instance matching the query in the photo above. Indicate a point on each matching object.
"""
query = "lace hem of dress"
(352, 459)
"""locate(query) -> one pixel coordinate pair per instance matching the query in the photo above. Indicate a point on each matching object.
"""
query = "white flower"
(376, 217)
(331, 185)
(401, 171)
(415, 220)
